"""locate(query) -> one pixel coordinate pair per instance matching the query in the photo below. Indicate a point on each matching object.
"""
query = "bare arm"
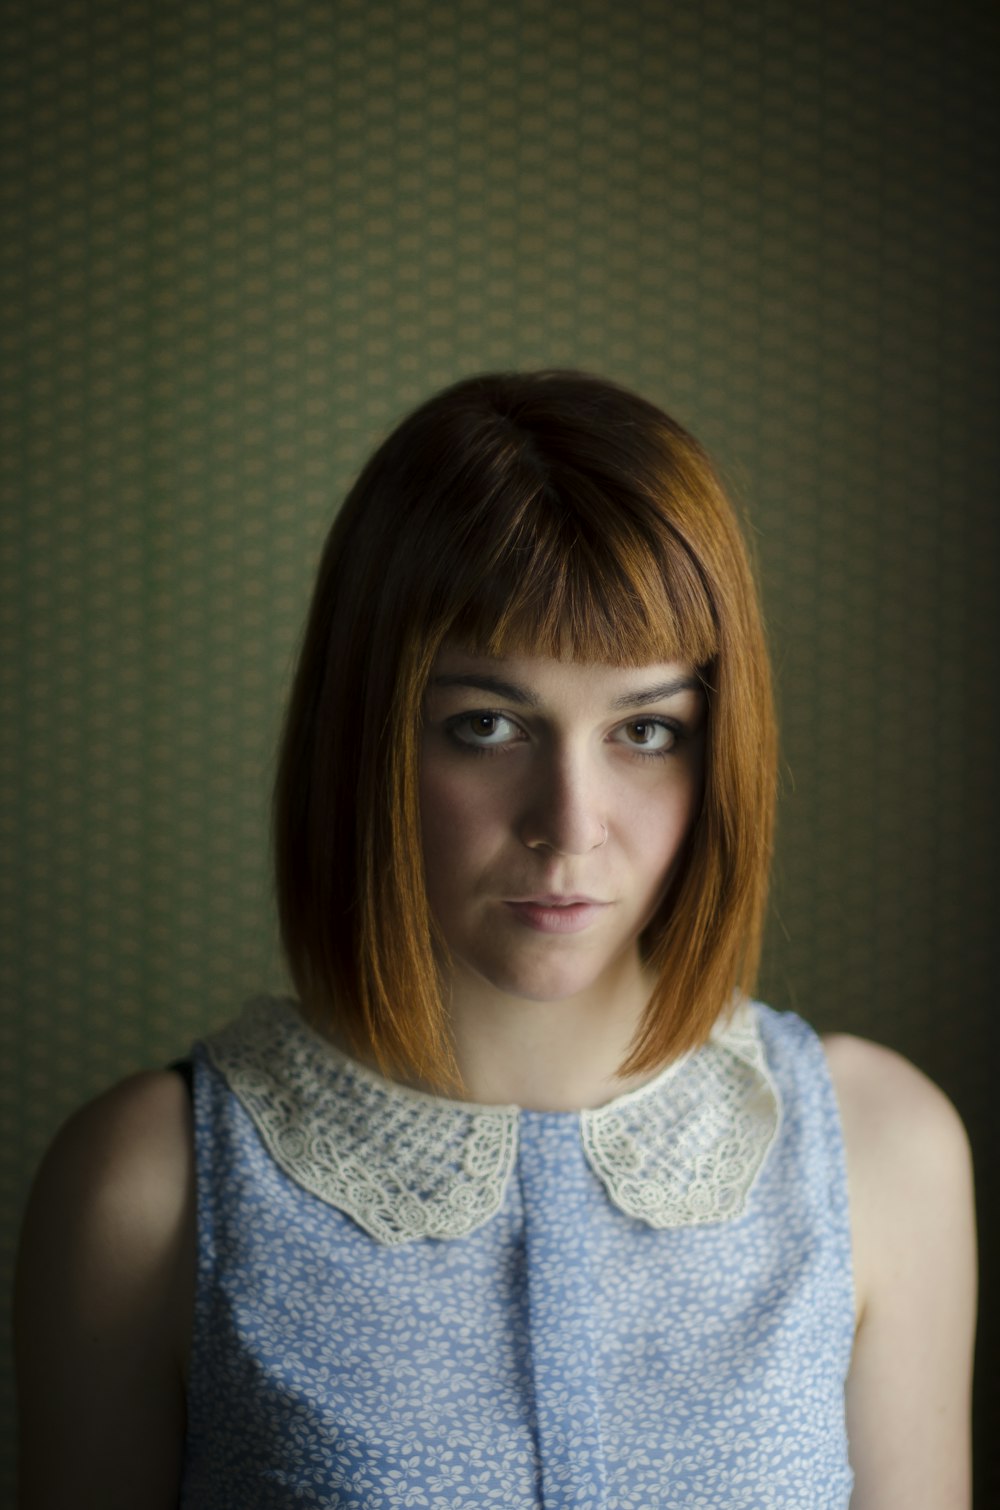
(908, 1394)
(102, 1306)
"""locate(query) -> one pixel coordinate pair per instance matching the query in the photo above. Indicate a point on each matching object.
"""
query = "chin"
(550, 994)
(541, 985)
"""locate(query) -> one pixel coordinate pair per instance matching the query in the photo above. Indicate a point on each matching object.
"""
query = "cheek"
(458, 824)
(434, 810)
(657, 830)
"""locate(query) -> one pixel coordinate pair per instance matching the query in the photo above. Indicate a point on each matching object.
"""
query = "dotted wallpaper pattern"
(239, 239)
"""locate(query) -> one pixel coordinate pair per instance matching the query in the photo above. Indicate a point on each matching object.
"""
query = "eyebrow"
(508, 690)
(511, 692)
(644, 695)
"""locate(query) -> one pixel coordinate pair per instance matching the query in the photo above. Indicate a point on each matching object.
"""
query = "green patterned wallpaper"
(241, 238)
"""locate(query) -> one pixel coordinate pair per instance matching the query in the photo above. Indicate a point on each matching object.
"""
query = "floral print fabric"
(562, 1354)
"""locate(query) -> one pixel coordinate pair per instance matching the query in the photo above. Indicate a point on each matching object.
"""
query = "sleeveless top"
(404, 1300)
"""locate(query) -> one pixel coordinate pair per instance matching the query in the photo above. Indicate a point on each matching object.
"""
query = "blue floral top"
(405, 1300)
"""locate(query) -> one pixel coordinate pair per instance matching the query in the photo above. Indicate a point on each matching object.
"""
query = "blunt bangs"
(574, 575)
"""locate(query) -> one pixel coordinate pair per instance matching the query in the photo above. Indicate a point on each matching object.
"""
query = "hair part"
(549, 513)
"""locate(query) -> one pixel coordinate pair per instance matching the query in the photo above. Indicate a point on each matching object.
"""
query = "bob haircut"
(548, 513)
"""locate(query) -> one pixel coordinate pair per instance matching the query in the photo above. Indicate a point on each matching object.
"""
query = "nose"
(563, 808)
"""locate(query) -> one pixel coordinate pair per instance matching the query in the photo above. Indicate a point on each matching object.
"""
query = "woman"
(523, 1202)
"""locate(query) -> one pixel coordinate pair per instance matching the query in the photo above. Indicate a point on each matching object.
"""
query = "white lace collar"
(683, 1150)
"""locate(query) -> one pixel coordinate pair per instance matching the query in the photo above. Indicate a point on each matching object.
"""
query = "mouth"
(556, 899)
(557, 914)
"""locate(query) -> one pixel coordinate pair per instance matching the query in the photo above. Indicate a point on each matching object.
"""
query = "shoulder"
(877, 1081)
(908, 1159)
(105, 1284)
(897, 1123)
(114, 1196)
(124, 1161)
(913, 1235)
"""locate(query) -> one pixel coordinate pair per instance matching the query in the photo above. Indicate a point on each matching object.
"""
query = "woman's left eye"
(650, 736)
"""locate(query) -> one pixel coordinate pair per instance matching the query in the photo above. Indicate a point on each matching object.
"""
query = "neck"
(546, 1055)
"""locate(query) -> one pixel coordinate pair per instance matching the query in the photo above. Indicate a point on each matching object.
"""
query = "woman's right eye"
(483, 731)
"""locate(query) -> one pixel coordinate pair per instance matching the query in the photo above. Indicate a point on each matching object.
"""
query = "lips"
(557, 914)
(556, 899)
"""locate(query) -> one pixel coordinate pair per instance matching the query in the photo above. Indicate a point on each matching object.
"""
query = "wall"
(241, 238)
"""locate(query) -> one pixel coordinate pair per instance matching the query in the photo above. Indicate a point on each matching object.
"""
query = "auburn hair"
(549, 513)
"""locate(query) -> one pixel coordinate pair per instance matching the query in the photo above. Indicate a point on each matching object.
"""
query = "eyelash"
(471, 747)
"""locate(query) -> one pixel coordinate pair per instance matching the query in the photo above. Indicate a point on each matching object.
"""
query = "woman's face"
(555, 799)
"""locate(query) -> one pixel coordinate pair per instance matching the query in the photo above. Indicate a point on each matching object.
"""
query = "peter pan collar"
(682, 1150)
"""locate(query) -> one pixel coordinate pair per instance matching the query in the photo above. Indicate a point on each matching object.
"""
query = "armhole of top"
(184, 1068)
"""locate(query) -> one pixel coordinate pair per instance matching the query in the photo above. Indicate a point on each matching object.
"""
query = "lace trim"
(683, 1150)
(401, 1163)
(686, 1149)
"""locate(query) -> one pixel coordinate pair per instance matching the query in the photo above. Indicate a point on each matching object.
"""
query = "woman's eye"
(482, 730)
(650, 735)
